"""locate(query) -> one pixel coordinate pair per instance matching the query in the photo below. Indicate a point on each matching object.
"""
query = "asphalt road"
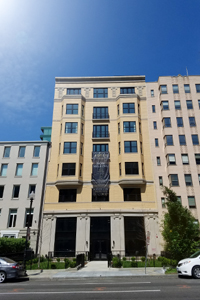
(163, 287)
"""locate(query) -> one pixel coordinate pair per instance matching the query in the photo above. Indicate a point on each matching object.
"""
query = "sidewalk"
(93, 269)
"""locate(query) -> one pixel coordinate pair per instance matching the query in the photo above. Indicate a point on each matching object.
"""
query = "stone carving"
(87, 90)
(113, 91)
(140, 88)
(60, 92)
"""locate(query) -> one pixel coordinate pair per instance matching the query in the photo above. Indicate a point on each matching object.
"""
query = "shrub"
(67, 263)
(116, 262)
(124, 258)
(133, 258)
(72, 264)
(133, 264)
(53, 266)
(35, 260)
(42, 258)
(58, 259)
(12, 245)
(143, 258)
(74, 259)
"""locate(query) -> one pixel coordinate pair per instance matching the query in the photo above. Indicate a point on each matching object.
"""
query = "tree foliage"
(12, 245)
(180, 229)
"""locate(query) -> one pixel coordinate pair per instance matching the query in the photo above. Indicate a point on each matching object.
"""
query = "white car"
(190, 266)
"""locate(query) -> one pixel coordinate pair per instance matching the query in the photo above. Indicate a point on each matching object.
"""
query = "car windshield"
(195, 254)
(8, 260)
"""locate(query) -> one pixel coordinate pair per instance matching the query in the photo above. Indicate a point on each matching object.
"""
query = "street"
(149, 287)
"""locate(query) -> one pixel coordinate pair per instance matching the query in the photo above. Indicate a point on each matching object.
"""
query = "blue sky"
(44, 39)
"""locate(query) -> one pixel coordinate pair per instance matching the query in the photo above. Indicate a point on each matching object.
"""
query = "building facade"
(22, 171)
(174, 125)
(100, 193)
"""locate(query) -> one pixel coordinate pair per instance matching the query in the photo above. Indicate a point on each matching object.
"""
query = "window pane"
(127, 90)
(4, 168)
(36, 151)
(132, 194)
(163, 89)
(34, 171)
(179, 121)
(6, 152)
(129, 126)
(167, 122)
(174, 179)
(1, 191)
(185, 159)
(192, 121)
(128, 108)
(72, 109)
(19, 169)
(131, 168)
(165, 105)
(101, 93)
(188, 179)
(22, 151)
(73, 91)
(169, 140)
(16, 189)
(182, 140)
(187, 88)
(189, 104)
(175, 88)
(198, 88)
(195, 139)
(191, 202)
(177, 104)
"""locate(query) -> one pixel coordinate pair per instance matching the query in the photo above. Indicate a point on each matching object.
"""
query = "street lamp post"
(31, 197)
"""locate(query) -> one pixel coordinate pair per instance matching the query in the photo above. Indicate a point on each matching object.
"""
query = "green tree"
(180, 229)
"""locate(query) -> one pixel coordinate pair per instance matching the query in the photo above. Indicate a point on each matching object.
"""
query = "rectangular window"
(101, 93)
(1, 191)
(28, 217)
(179, 199)
(182, 140)
(72, 109)
(100, 131)
(171, 159)
(165, 105)
(195, 139)
(67, 195)
(12, 218)
(179, 121)
(19, 169)
(160, 181)
(132, 194)
(129, 126)
(173, 179)
(163, 202)
(156, 143)
(22, 150)
(177, 105)
(118, 128)
(158, 161)
(32, 188)
(197, 88)
(118, 109)
(82, 128)
(34, 170)
(68, 169)
(80, 171)
(185, 159)
(128, 108)
(100, 113)
(127, 90)
(4, 168)
(175, 88)
(192, 121)
(6, 152)
(152, 93)
(199, 103)
(81, 150)
(141, 147)
(187, 88)
(131, 168)
(60, 128)
(167, 122)
(73, 91)
(189, 104)
(71, 127)
(154, 125)
(199, 178)
(69, 147)
(153, 108)
(188, 179)
(120, 169)
(130, 146)
(197, 158)
(119, 147)
(169, 140)
(82, 111)
(191, 202)
(36, 152)
(100, 147)
(163, 89)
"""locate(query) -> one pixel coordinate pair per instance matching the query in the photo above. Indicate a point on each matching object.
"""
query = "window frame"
(131, 145)
(21, 155)
(71, 146)
(187, 88)
(129, 109)
(100, 93)
(189, 104)
(179, 124)
(131, 169)
(19, 170)
(175, 88)
(34, 169)
(163, 89)
(194, 136)
(131, 126)
(6, 153)
(73, 91)
(127, 90)
(182, 142)
(70, 169)
(72, 109)
(71, 128)
(36, 151)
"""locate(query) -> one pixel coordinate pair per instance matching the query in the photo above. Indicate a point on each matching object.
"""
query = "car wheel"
(196, 272)
(2, 276)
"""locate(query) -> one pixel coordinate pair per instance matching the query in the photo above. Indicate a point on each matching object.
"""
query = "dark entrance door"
(99, 238)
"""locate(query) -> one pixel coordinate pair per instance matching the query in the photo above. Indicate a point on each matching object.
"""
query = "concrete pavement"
(93, 269)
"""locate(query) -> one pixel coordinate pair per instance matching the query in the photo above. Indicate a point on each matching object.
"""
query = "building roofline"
(24, 142)
(100, 79)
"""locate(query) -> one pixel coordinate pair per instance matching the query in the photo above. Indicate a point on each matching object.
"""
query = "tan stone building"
(174, 124)
(100, 193)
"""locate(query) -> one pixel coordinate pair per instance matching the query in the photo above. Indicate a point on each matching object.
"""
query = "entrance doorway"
(99, 238)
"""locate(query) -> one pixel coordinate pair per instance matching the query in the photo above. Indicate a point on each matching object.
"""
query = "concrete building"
(46, 134)
(174, 124)
(22, 170)
(100, 193)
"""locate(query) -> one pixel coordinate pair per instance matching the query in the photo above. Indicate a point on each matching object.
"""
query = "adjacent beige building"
(100, 192)
(174, 125)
